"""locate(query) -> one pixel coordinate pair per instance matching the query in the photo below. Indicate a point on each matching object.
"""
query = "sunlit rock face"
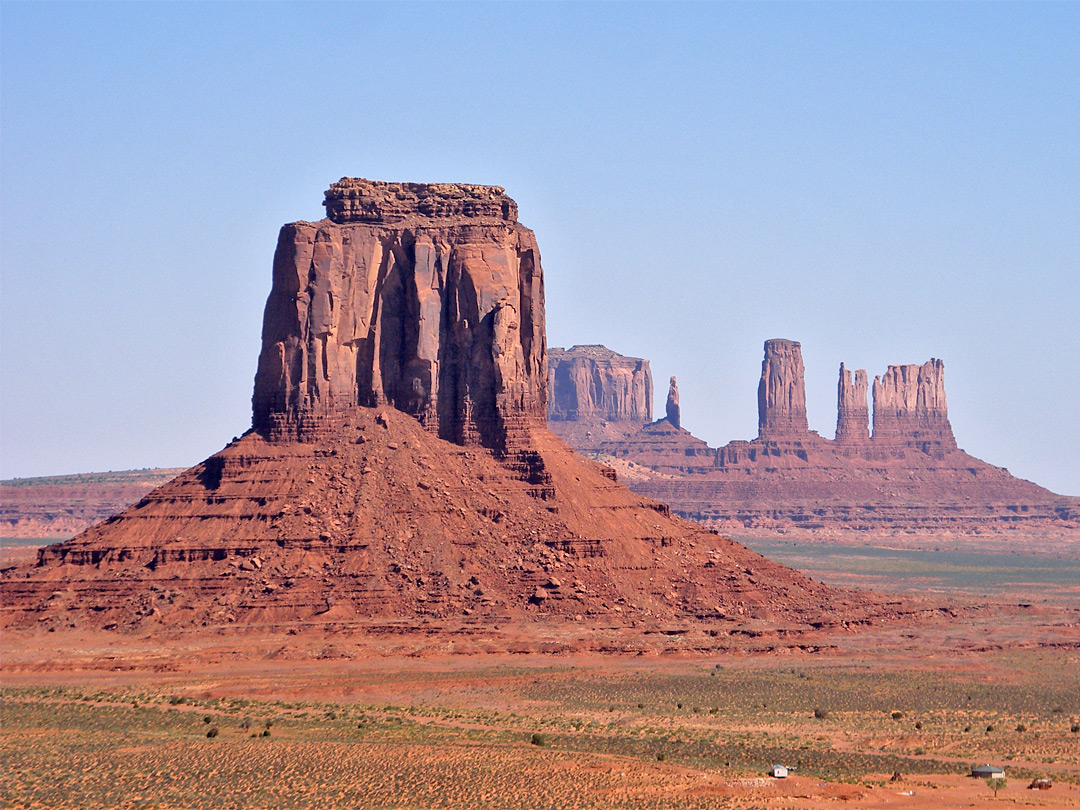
(910, 409)
(425, 297)
(782, 391)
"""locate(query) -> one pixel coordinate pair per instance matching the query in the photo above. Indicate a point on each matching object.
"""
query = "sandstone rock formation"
(852, 415)
(426, 298)
(782, 391)
(909, 408)
(672, 407)
(597, 395)
(909, 476)
(398, 473)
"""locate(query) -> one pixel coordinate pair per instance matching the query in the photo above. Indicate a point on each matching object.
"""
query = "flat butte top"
(354, 199)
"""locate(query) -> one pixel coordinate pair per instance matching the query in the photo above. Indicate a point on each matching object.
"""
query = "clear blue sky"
(884, 182)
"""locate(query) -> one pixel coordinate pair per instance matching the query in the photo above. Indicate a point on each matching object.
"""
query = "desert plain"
(463, 714)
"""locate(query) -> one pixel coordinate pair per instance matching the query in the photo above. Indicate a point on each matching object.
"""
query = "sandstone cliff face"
(782, 391)
(671, 409)
(593, 382)
(852, 414)
(910, 409)
(428, 298)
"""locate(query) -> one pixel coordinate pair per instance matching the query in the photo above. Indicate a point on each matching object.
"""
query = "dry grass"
(422, 737)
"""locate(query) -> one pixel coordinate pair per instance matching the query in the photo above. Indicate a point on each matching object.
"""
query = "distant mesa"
(607, 395)
(907, 475)
(399, 472)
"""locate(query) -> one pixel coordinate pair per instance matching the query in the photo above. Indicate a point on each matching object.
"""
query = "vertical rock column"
(852, 413)
(672, 406)
(782, 392)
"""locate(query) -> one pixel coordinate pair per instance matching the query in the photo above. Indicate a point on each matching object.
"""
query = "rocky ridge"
(64, 505)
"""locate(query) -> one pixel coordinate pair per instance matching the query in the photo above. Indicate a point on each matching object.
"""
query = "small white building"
(987, 772)
(778, 771)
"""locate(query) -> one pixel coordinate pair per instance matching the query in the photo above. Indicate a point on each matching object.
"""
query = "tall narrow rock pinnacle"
(672, 407)
(782, 391)
(852, 413)
(425, 297)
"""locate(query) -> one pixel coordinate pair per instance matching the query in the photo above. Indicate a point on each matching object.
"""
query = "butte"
(399, 468)
(907, 476)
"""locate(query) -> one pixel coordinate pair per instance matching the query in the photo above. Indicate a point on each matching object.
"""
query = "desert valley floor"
(349, 715)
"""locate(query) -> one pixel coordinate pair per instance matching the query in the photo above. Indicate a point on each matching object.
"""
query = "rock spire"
(672, 406)
(852, 413)
(782, 391)
(910, 409)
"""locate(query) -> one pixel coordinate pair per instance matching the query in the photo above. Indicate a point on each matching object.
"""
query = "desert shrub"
(967, 729)
(1075, 728)
(1021, 727)
(820, 714)
(660, 756)
(678, 705)
(206, 719)
(212, 732)
(989, 728)
(266, 733)
(538, 739)
(918, 725)
(897, 715)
